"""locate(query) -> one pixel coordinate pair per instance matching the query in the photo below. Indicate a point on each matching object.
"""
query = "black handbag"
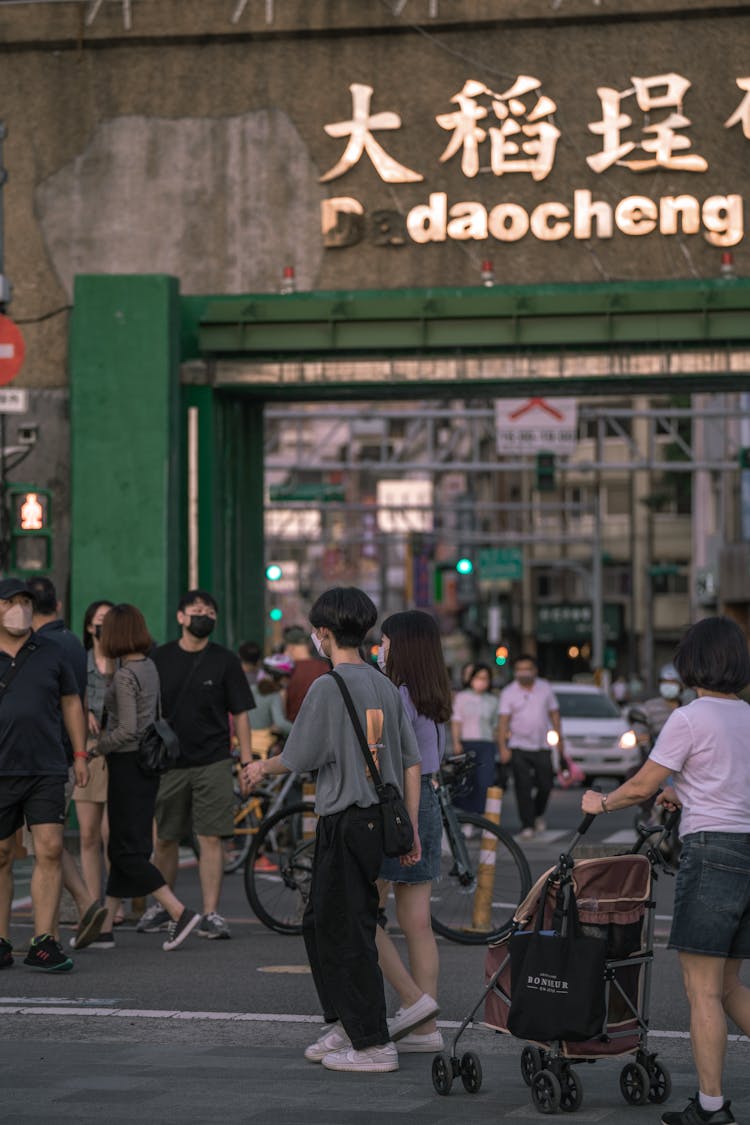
(158, 745)
(398, 833)
(557, 978)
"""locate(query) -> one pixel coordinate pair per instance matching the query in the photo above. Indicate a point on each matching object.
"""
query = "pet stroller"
(608, 900)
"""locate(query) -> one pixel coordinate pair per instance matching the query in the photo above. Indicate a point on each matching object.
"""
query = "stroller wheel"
(442, 1074)
(660, 1082)
(531, 1062)
(635, 1083)
(571, 1091)
(471, 1072)
(545, 1091)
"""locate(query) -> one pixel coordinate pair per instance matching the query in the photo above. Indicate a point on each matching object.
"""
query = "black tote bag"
(557, 978)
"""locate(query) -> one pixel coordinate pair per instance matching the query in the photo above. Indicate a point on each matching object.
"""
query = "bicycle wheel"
(476, 906)
(278, 869)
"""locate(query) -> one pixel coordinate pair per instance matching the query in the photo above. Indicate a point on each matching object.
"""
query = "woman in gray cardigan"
(130, 705)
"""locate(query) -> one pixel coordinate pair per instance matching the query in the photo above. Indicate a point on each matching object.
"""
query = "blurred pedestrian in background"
(268, 718)
(528, 708)
(474, 730)
(412, 658)
(307, 668)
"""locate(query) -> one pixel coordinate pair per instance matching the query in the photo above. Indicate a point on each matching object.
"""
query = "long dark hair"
(88, 617)
(415, 659)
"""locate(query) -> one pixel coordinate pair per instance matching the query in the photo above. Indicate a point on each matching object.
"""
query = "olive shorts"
(199, 798)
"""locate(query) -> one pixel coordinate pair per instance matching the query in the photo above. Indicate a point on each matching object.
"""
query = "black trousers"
(532, 779)
(340, 920)
(131, 799)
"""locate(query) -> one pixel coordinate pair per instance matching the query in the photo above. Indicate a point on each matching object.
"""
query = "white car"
(596, 737)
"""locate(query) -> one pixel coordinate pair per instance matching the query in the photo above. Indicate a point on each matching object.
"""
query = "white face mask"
(381, 658)
(669, 690)
(17, 619)
(317, 643)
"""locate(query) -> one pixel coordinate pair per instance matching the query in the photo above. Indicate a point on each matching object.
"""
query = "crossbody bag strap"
(133, 673)
(374, 773)
(16, 665)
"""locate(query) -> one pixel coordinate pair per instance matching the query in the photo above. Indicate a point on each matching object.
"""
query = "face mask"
(317, 643)
(525, 680)
(381, 658)
(17, 619)
(97, 631)
(669, 690)
(200, 625)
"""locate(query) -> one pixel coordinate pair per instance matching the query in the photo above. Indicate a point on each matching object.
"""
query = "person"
(250, 656)
(704, 747)
(91, 802)
(268, 719)
(46, 622)
(202, 684)
(340, 920)
(131, 705)
(473, 726)
(39, 698)
(528, 708)
(307, 668)
(412, 658)
(649, 717)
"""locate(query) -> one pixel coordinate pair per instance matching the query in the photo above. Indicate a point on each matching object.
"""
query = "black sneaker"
(693, 1114)
(6, 951)
(180, 929)
(48, 955)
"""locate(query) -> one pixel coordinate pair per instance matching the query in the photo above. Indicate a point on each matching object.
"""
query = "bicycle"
(484, 873)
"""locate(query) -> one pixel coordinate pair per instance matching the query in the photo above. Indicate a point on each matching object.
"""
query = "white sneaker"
(334, 1038)
(370, 1060)
(406, 1018)
(429, 1044)
(540, 824)
(526, 834)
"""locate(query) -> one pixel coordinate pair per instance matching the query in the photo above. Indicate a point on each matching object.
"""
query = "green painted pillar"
(126, 449)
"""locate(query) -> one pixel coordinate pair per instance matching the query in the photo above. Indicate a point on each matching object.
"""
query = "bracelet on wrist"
(81, 754)
(604, 803)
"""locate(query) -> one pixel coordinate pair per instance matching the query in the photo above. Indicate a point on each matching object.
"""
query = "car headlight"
(553, 738)
(629, 740)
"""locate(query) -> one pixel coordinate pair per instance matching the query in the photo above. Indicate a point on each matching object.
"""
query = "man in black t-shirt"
(202, 684)
(40, 697)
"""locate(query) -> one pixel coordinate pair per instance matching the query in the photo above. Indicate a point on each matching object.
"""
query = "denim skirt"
(430, 835)
(712, 895)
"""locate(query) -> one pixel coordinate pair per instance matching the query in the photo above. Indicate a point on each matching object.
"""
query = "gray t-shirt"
(323, 738)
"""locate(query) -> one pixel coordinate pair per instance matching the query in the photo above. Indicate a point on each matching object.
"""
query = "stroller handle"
(585, 824)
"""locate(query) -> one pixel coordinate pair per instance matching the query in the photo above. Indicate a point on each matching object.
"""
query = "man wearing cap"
(38, 694)
(307, 668)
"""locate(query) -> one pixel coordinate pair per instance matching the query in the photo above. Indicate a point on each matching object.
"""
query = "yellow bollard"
(481, 920)
(309, 820)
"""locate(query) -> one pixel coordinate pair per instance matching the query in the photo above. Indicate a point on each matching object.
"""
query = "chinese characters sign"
(642, 128)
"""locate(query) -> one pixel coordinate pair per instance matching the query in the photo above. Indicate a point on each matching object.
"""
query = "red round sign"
(12, 350)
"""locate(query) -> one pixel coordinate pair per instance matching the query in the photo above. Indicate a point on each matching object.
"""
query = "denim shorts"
(712, 895)
(430, 835)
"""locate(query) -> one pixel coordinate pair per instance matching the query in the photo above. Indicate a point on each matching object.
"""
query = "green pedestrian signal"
(273, 572)
(465, 566)
(276, 614)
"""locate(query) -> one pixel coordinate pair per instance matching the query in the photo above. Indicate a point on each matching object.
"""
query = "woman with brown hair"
(130, 705)
(412, 657)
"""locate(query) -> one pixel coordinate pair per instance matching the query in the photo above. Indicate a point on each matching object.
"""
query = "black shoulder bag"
(159, 746)
(398, 833)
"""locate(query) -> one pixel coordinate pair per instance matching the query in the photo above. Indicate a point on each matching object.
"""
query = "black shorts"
(37, 800)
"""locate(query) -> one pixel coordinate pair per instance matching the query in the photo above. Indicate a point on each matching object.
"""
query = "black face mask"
(201, 625)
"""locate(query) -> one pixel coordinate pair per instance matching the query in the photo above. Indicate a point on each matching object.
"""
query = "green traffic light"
(273, 572)
(276, 614)
(465, 566)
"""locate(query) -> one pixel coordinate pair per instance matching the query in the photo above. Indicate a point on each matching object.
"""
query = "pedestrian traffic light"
(501, 655)
(545, 472)
(465, 565)
(744, 457)
(276, 614)
(273, 572)
(30, 531)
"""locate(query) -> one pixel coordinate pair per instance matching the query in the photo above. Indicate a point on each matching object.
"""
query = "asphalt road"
(215, 1030)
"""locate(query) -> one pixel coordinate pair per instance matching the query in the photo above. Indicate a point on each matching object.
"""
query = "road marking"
(284, 969)
(10, 1006)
